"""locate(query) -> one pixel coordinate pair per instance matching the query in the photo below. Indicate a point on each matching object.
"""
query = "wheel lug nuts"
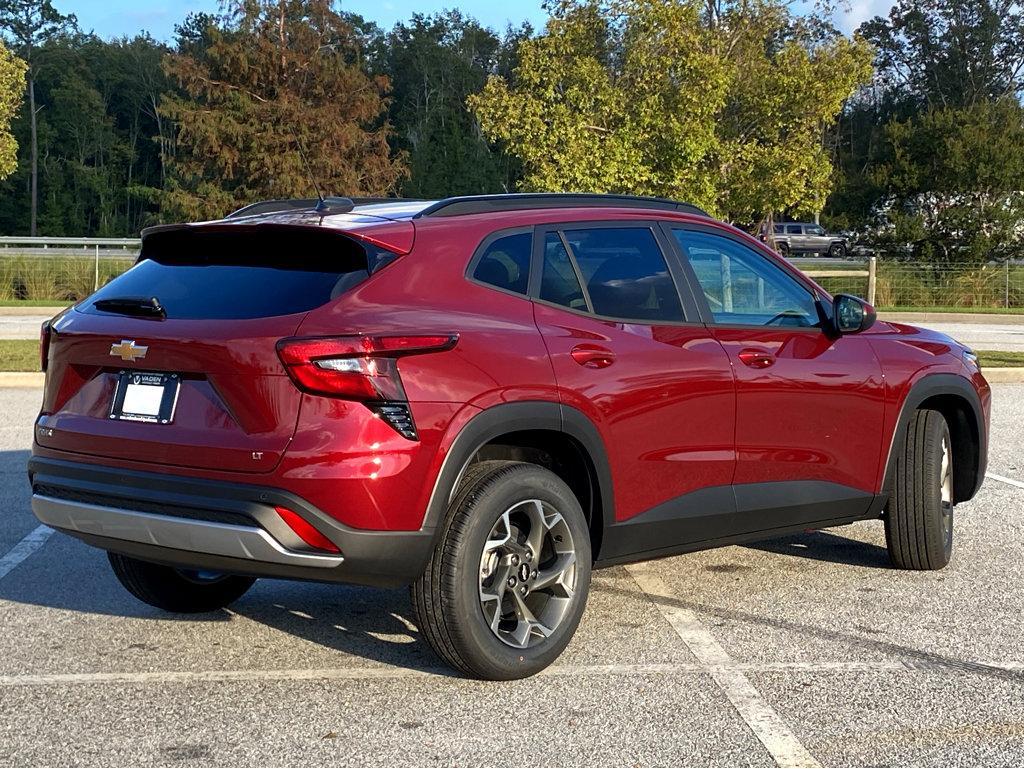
(534, 574)
(523, 590)
(511, 581)
(515, 560)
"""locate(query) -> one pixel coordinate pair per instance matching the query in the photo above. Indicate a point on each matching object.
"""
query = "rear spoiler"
(389, 234)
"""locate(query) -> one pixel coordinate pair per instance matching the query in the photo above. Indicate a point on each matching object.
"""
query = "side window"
(793, 229)
(625, 273)
(558, 281)
(779, 229)
(506, 263)
(815, 230)
(743, 287)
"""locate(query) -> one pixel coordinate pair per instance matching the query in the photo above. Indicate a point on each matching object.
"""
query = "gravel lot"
(805, 650)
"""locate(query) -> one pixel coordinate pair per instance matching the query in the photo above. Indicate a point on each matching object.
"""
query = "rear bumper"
(213, 525)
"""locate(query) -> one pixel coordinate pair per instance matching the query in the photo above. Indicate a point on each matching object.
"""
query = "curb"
(21, 379)
(32, 311)
(1003, 375)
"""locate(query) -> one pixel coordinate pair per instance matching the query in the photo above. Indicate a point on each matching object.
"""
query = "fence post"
(872, 278)
(1006, 270)
(96, 281)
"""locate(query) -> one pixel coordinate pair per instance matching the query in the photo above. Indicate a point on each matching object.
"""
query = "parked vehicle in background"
(484, 398)
(808, 238)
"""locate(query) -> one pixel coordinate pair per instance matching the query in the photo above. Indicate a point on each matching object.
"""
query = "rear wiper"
(144, 307)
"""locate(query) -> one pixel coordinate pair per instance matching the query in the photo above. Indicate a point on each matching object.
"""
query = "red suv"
(484, 398)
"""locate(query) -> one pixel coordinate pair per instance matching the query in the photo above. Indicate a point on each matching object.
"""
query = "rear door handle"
(592, 355)
(756, 358)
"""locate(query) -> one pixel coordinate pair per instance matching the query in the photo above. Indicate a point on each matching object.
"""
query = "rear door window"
(219, 275)
(559, 283)
(625, 273)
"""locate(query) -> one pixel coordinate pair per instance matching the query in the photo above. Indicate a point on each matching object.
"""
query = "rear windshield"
(243, 274)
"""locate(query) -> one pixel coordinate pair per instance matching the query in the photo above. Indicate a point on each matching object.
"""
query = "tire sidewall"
(497, 659)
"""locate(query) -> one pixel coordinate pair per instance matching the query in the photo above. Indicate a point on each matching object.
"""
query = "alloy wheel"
(527, 574)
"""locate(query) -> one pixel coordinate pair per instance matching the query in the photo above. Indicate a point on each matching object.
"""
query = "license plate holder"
(143, 396)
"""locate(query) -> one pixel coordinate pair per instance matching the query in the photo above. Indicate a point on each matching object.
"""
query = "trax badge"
(128, 350)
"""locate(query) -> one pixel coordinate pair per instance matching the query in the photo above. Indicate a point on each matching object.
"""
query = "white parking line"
(764, 722)
(395, 672)
(1004, 479)
(35, 540)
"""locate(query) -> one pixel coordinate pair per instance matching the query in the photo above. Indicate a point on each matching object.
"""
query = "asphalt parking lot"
(807, 650)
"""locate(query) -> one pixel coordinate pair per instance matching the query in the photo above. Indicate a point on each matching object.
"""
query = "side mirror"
(851, 315)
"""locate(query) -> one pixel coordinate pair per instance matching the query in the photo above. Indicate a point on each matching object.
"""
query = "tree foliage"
(722, 104)
(435, 63)
(932, 156)
(12, 89)
(261, 84)
(952, 178)
(948, 53)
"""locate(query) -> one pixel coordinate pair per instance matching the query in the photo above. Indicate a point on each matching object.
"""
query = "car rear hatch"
(175, 362)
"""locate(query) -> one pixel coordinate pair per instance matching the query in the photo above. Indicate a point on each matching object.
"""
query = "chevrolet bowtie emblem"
(128, 350)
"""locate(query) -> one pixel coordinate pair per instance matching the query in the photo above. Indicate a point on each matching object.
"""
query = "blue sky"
(113, 18)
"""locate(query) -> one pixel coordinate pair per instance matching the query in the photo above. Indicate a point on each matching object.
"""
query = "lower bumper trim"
(242, 542)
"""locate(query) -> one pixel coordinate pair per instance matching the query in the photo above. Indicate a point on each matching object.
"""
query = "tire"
(837, 251)
(784, 249)
(466, 608)
(919, 519)
(176, 590)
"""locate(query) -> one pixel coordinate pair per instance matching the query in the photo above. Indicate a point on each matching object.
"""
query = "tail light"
(45, 332)
(360, 368)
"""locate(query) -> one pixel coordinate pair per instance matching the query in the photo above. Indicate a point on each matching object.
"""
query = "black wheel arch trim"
(930, 386)
(520, 416)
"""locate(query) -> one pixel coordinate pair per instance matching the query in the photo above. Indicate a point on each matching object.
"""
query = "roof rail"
(479, 204)
(327, 206)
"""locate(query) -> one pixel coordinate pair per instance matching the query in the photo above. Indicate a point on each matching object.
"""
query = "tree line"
(908, 131)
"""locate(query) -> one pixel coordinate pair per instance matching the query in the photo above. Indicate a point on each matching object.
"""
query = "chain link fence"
(908, 286)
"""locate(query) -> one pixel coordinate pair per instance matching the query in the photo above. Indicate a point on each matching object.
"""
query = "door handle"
(756, 358)
(592, 355)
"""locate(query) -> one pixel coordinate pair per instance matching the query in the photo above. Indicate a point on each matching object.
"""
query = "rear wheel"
(784, 249)
(507, 583)
(919, 520)
(178, 590)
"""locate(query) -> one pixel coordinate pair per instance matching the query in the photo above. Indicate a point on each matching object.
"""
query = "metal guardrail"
(46, 244)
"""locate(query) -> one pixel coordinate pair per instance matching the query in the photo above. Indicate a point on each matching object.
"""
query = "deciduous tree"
(28, 24)
(12, 87)
(267, 81)
(720, 103)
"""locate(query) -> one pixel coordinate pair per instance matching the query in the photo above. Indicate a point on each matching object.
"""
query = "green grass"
(23, 355)
(33, 303)
(19, 355)
(997, 359)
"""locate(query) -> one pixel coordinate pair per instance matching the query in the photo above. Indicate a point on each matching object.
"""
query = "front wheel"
(919, 519)
(837, 251)
(506, 586)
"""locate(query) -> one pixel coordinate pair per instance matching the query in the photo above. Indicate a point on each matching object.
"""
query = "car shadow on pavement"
(829, 547)
(66, 574)
(374, 624)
